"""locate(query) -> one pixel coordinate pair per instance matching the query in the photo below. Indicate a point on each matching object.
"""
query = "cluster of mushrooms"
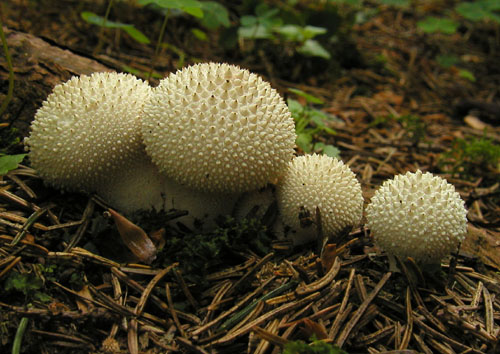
(208, 135)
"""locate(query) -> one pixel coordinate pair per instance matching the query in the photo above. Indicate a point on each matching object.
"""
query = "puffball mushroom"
(218, 128)
(417, 215)
(319, 181)
(87, 128)
(141, 186)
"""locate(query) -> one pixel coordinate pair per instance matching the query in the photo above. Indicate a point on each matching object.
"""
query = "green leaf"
(172, 4)
(10, 162)
(312, 48)
(447, 61)
(24, 282)
(466, 74)
(193, 11)
(328, 150)
(290, 32)
(248, 20)
(214, 15)
(398, 3)
(294, 106)
(433, 24)
(303, 141)
(257, 31)
(313, 31)
(136, 34)
(94, 19)
(479, 10)
(309, 98)
(202, 36)
(331, 151)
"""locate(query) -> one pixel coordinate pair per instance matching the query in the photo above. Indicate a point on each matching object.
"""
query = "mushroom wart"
(417, 215)
(218, 128)
(319, 181)
(88, 128)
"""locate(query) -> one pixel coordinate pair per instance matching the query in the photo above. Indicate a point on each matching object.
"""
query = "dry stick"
(10, 266)
(87, 213)
(431, 331)
(162, 305)
(145, 294)
(357, 315)
(284, 308)
(180, 280)
(336, 323)
(216, 300)
(186, 343)
(133, 345)
(317, 285)
(10, 89)
(250, 272)
(233, 309)
(30, 221)
(173, 313)
(270, 337)
(409, 321)
(488, 316)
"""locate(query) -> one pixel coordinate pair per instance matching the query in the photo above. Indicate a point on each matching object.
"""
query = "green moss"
(471, 157)
(315, 347)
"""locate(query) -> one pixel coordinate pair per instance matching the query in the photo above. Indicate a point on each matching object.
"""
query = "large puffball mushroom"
(202, 207)
(87, 128)
(218, 128)
(417, 215)
(139, 186)
(319, 182)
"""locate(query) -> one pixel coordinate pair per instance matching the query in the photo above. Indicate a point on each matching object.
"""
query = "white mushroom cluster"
(218, 128)
(209, 133)
(319, 182)
(417, 215)
(87, 129)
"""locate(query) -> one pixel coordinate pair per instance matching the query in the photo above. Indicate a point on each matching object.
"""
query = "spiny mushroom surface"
(218, 128)
(319, 181)
(417, 215)
(87, 128)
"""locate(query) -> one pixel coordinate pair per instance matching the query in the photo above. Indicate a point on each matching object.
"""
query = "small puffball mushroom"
(87, 128)
(218, 128)
(417, 215)
(319, 181)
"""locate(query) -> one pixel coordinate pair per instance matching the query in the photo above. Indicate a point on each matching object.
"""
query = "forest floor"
(397, 110)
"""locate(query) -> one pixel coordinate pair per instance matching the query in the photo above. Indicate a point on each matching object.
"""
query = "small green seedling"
(133, 32)
(267, 24)
(27, 283)
(310, 122)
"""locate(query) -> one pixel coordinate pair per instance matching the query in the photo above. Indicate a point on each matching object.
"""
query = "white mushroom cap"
(417, 215)
(87, 128)
(218, 128)
(319, 181)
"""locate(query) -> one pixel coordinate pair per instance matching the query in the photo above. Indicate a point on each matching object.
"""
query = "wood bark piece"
(38, 67)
